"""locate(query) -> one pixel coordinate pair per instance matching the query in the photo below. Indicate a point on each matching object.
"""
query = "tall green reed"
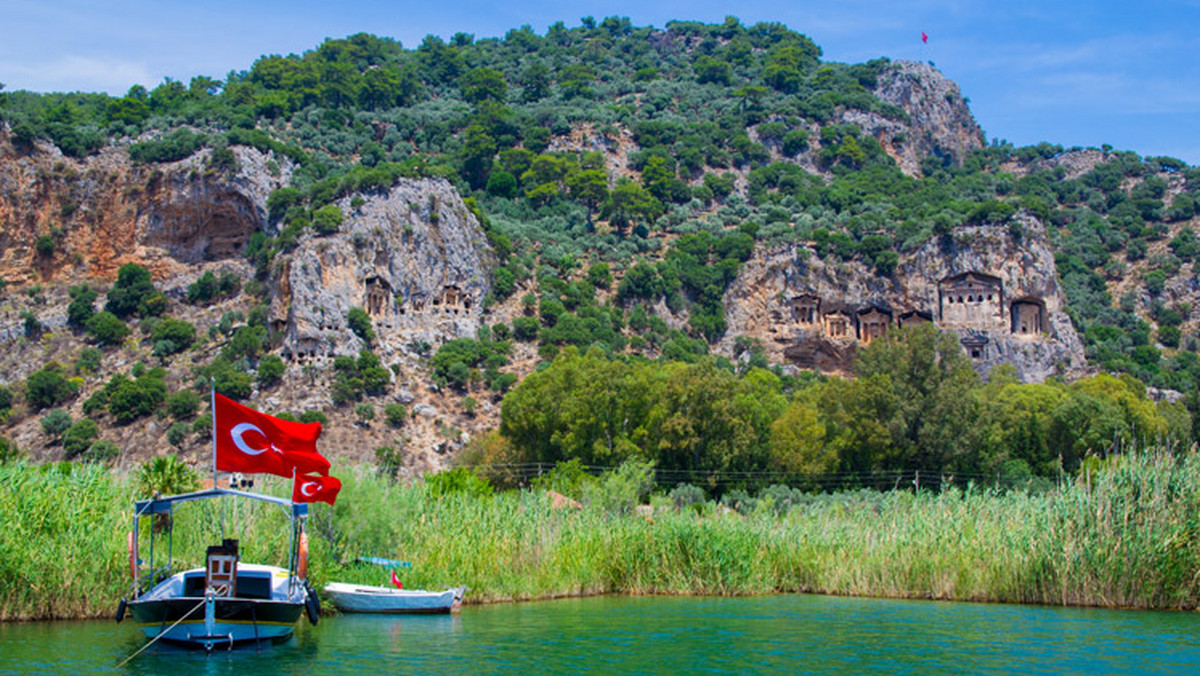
(1126, 536)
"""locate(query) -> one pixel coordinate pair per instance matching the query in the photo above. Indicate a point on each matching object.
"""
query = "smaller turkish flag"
(924, 38)
(312, 488)
(396, 581)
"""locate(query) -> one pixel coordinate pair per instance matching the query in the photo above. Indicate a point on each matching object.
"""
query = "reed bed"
(1128, 536)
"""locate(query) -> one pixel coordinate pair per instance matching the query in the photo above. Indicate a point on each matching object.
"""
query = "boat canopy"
(166, 504)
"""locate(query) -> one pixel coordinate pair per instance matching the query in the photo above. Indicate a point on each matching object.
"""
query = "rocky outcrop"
(939, 121)
(104, 211)
(995, 287)
(415, 259)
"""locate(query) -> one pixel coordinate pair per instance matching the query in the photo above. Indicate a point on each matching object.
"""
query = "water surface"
(656, 635)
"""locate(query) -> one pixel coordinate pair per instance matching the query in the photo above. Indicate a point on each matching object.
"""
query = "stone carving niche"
(1028, 317)
(972, 300)
(873, 323)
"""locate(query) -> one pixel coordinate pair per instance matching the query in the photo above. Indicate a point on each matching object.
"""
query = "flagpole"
(212, 395)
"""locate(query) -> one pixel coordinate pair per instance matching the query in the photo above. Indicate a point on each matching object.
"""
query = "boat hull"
(182, 620)
(349, 598)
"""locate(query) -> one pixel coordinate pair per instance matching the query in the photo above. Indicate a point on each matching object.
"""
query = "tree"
(82, 305)
(132, 293)
(629, 202)
(360, 323)
(483, 84)
(932, 379)
(55, 422)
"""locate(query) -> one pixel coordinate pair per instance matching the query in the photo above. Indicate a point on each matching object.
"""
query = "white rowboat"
(355, 598)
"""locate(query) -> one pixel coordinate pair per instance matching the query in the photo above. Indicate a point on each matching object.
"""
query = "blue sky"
(1073, 72)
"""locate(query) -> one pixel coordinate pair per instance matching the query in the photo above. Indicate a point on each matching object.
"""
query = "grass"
(1128, 536)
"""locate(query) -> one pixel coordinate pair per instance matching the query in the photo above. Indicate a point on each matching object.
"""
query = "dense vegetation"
(917, 404)
(1122, 536)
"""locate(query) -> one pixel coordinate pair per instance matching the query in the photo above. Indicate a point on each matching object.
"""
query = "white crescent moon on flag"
(240, 429)
(305, 486)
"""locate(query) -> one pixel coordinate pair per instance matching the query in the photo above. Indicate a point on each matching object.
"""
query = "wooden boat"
(226, 602)
(356, 598)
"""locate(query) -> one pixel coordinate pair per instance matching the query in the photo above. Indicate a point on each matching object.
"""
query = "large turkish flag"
(253, 442)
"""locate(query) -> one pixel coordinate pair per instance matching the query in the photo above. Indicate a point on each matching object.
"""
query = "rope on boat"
(162, 634)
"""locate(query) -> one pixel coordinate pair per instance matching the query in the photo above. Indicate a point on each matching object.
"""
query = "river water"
(660, 635)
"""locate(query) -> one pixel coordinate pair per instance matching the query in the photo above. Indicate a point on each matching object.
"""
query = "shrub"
(395, 415)
(100, 452)
(178, 433)
(620, 490)
(183, 404)
(327, 219)
(48, 387)
(365, 412)
(107, 329)
(8, 450)
(177, 333)
(314, 416)
(270, 370)
(129, 400)
(134, 293)
(88, 360)
(55, 422)
(82, 305)
(390, 460)
(6, 398)
(80, 436)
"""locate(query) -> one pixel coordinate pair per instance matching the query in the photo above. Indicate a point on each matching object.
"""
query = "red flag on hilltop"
(249, 441)
(311, 488)
(924, 38)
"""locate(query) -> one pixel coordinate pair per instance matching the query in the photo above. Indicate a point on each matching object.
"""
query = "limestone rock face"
(104, 211)
(415, 259)
(995, 287)
(940, 122)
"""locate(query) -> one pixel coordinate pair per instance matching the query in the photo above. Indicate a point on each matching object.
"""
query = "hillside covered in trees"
(623, 177)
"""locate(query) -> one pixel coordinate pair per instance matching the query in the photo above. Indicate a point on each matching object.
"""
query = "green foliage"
(178, 433)
(9, 451)
(183, 404)
(166, 475)
(171, 336)
(364, 412)
(454, 361)
(80, 436)
(48, 387)
(395, 415)
(270, 370)
(82, 305)
(100, 452)
(130, 399)
(459, 480)
(55, 423)
(360, 323)
(107, 329)
(134, 293)
(314, 416)
(327, 219)
(174, 146)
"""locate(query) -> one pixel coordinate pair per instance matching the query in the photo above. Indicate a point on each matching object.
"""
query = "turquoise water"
(772, 634)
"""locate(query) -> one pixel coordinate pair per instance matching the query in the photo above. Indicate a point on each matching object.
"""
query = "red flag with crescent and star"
(313, 488)
(924, 38)
(252, 442)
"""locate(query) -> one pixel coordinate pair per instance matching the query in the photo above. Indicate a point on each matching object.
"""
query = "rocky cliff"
(414, 258)
(995, 287)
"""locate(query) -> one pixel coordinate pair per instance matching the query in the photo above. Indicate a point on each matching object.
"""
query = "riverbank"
(1127, 536)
